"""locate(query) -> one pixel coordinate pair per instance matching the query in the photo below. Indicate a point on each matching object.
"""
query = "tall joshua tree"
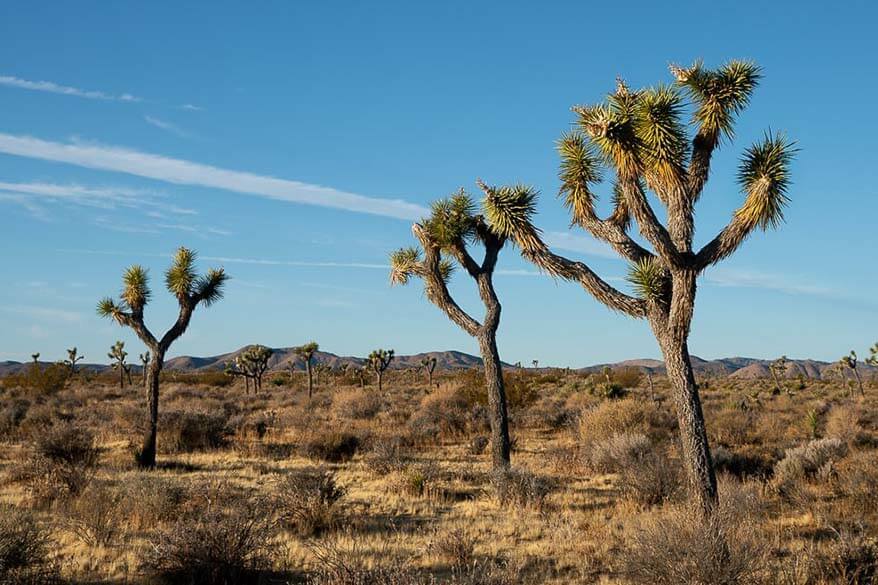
(850, 361)
(306, 353)
(118, 355)
(190, 289)
(778, 369)
(251, 365)
(444, 237)
(73, 357)
(643, 139)
(428, 364)
(379, 360)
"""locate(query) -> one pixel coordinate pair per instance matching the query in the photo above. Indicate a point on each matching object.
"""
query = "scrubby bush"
(388, 454)
(852, 559)
(456, 547)
(419, 479)
(654, 479)
(149, 500)
(443, 413)
(95, 516)
(61, 463)
(216, 545)
(807, 461)
(616, 453)
(24, 549)
(521, 388)
(338, 566)
(356, 404)
(12, 414)
(520, 488)
(331, 445)
(478, 444)
(37, 380)
(628, 415)
(307, 502)
(183, 431)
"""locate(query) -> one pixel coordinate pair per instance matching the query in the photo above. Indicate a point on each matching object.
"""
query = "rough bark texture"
(146, 456)
(500, 443)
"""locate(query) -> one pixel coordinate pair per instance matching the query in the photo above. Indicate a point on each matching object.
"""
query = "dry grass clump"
(852, 559)
(520, 488)
(843, 423)
(61, 464)
(675, 545)
(95, 517)
(627, 416)
(356, 404)
(24, 549)
(307, 502)
(418, 479)
(183, 431)
(617, 453)
(814, 459)
(446, 413)
(457, 546)
(214, 545)
(149, 500)
(652, 479)
(389, 453)
(339, 566)
(331, 445)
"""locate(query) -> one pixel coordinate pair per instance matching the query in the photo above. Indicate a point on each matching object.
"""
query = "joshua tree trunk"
(690, 417)
(380, 375)
(121, 375)
(310, 378)
(496, 400)
(651, 386)
(146, 457)
(859, 381)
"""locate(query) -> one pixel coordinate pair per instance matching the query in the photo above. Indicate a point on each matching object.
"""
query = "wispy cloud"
(183, 172)
(581, 244)
(191, 108)
(100, 197)
(51, 87)
(726, 277)
(167, 126)
(44, 313)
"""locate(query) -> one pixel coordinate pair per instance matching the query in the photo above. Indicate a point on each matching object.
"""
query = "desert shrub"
(852, 559)
(478, 444)
(676, 545)
(388, 454)
(626, 377)
(521, 388)
(12, 414)
(184, 431)
(520, 488)
(444, 412)
(356, 404)
(741, 464)
(609, 390)
(337, 566)
(618, 417)
(806, 461)
(24, 549)
(552, 413)
(419, 479)
(214, 378)
(843, 423)
(38, 380)
(652, 480)
(485, 572)
(331, 445)
(149, 500)
(456, 547)
(95, 516)
(306, 503)
(216, 545)
(616, 453)
(61, 464)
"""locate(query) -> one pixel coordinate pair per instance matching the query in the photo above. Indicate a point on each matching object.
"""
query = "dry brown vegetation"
(361, 487)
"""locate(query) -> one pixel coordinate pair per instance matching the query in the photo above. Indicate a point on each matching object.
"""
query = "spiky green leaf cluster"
(510, 210)
(135, 287)
(452, 220)
(580, 167)
(306, 351)
(180, 277)
(380, 359)
(404, 263)
(648, 279)
(719, 95)
(764, 175)
(210, 287)
(661, 136)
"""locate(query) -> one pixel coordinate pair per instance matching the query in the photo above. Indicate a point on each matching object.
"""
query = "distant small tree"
(850, 361)
(190, 290)
(251, 365)
(428, 364)
(321, 369)
(118, 355)
(35, 357)
(778, 369)
(144, 360)
(363, 374)
(535, 363)
(72, 357)
(379, 361)
(872, 360)
(306, 353)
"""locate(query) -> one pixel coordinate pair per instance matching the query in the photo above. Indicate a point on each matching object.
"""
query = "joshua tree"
(428, 364)
(118, 355)
(643, 139)
(850, 362)
(72, 358)
(35, 357)
(321, 369)
(190, 290)
(444, 237)
(306, 352)
(872, 360)
(535, 363)
(144, 359)
(778, 369)
(379, 360)
(251, 364)
(362, 374)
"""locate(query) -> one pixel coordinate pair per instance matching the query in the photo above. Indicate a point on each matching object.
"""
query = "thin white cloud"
(166, 126)
(100, 197)
(183, 172)
(191, 108)
(51, 87)
(581, 244)
(727, 277)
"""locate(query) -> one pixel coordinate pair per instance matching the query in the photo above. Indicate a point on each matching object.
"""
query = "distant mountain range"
(285, 358)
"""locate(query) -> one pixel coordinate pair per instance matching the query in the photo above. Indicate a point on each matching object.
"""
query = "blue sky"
(293, 143)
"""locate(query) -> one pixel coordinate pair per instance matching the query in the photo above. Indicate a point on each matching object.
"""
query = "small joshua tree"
(850, 362)
(190, 290)
(118, 355)
(35, 357)
(379, 360)
(144, 360)
(445, 236)
(319, 369)
(535, 363)
(641, 137)
(72, 357)
(363, 374)
(306, 353)
(778, 369)
(251, 365)
(428, 364)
